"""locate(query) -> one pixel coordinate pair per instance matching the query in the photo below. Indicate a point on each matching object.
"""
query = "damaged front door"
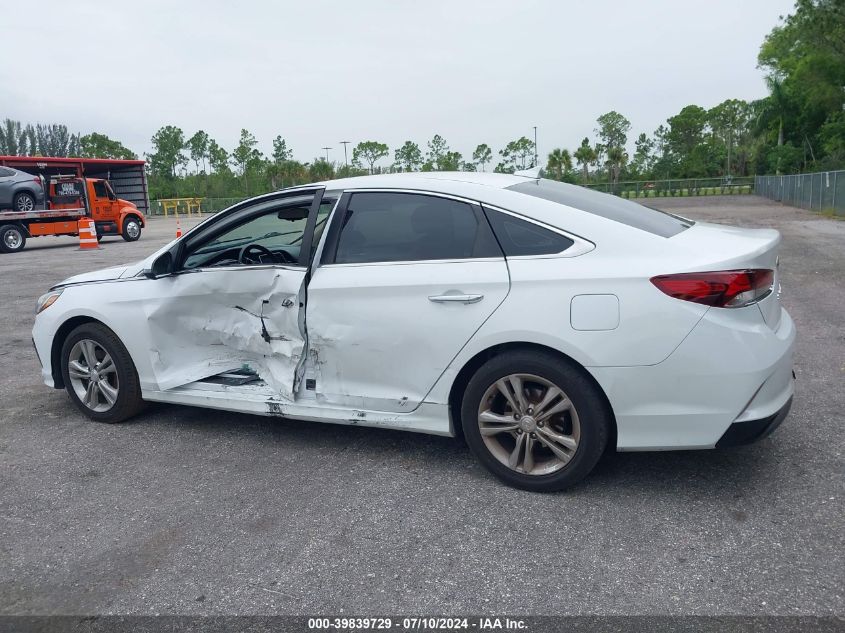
(235, 299)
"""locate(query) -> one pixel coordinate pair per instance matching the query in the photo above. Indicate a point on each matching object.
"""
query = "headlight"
(46, 300)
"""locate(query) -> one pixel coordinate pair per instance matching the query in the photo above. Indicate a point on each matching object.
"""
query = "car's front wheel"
(535, 421)
(99, 374)
(12, 238)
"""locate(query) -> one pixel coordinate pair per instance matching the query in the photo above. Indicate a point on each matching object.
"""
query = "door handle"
(456, 298)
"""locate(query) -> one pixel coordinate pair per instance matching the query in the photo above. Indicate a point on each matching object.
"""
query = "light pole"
(327, 153)
(536, 157)
(345, 158)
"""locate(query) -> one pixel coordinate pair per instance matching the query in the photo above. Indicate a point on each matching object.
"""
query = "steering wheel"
(246, 255)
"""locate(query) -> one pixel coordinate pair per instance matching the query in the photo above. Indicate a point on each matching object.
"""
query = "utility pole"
(536, 157)
(327, 153)
(345, 158)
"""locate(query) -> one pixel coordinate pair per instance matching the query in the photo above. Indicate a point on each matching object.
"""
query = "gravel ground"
(191, 511)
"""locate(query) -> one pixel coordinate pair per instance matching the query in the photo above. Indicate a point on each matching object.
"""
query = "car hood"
(105, 274)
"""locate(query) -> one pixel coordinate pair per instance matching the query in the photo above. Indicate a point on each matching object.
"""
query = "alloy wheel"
(529, 424)
(25, 203)
(93, 375)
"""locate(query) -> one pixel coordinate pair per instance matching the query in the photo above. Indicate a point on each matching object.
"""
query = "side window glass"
(100, 189)
(520, 237)
(389, 227)
(280, 231)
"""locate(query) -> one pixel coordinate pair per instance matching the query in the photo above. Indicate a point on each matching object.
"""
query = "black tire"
(12, 238)
(128, 233)
(595, 418)
(128, 402)
(24, 201)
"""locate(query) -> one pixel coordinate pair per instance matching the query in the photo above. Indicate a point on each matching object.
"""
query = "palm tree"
(584, 156)
(616, 159)
(560, 162)
(777, 103)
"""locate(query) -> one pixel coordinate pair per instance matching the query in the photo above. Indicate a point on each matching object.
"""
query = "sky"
(319, 72)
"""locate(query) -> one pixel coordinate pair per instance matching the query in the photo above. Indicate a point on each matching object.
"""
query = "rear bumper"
(731, 369)
(740, 433)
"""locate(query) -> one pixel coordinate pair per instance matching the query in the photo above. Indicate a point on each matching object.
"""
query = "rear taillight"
(722, 289)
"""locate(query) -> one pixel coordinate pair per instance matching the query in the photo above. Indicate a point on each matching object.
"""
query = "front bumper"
(740, 433)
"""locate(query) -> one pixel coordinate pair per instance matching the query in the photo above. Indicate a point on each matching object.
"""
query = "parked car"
(540, 320)
(19, 190)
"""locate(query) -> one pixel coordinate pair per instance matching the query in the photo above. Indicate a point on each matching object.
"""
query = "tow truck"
(68, 199)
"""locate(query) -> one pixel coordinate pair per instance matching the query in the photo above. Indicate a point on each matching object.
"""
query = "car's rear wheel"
(12, 238)
(24, 202)
(535, 421)
(131, 229)
(99, 374)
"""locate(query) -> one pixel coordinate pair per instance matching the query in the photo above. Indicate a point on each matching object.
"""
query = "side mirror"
(162, 265)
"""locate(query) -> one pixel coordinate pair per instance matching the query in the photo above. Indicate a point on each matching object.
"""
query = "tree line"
(799, 126)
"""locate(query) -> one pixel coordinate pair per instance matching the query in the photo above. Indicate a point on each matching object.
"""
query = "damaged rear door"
(405, 280)
(235, 297)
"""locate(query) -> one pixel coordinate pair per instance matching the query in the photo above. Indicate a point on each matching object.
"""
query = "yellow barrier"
(172, 204)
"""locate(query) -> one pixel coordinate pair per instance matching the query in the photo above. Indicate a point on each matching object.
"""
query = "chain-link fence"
(822, 191)
(677, 187)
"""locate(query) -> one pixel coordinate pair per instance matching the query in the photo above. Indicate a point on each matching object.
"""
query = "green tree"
(730, 121)
(643, 160)
(617, 157)
(613, 132)
(516, 154)
(166, 157)
(409, 156)
(198, 148)
(613, 129)
(585, 155)
(12, 138)
(559, 163)
(437, 147)
(482, 155)
(369, 152)
(96, 145)
(246, 156)
(281, 152)
(450, 161)
(688, 142)
(804, 58)
(287, 173)
(56, 140)
(218, 158)
(321, 170)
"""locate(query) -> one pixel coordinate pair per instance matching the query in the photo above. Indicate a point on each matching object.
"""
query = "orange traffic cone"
(178, 228)
(87, 234)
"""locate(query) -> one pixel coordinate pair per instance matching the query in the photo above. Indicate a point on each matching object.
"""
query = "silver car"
(19, 190)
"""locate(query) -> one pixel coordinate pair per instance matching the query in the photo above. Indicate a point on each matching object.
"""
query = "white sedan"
(542, 321)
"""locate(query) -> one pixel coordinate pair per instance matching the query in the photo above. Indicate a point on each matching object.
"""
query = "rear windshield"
(606, 205)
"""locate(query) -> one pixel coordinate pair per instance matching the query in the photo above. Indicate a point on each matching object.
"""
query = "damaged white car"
(543, 321)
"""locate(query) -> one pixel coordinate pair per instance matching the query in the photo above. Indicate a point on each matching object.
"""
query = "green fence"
(821, 191)
(208, 205)
(678, 187)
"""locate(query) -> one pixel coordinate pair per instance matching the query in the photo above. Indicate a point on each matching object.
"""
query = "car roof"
(431, 180)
